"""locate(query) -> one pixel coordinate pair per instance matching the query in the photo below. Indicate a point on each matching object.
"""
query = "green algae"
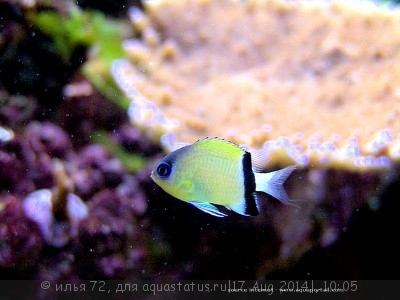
(100, 35)
(132, 162)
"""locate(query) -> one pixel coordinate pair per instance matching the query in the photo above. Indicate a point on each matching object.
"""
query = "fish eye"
(164, 170)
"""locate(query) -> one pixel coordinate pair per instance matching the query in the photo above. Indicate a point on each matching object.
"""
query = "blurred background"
(76, 200)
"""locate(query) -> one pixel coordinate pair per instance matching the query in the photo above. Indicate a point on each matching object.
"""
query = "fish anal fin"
(247, 207)
(208, 208)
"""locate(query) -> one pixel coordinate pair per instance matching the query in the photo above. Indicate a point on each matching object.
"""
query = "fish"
(215, 172)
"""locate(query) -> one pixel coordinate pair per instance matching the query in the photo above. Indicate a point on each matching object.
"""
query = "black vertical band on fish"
(249, 186)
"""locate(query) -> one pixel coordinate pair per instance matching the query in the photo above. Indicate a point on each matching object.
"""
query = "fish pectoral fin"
(208, 208)
(186, 189)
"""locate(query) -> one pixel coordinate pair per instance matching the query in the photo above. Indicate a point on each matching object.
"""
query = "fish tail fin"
(272, 183)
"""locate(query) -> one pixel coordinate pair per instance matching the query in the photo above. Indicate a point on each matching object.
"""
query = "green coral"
(91, 29)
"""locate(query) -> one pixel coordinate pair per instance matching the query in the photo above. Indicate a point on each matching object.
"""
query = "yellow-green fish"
(215, 171)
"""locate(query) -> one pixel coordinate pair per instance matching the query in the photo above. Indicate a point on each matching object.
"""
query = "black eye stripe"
(164, 170)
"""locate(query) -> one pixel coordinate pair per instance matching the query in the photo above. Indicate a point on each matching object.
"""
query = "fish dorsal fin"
(259, 159)
(219, 145)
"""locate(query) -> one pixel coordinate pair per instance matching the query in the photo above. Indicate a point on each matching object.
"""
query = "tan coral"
(309, 83)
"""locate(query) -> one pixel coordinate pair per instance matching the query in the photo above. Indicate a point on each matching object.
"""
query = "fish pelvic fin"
(272, 183)
(208, 208)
